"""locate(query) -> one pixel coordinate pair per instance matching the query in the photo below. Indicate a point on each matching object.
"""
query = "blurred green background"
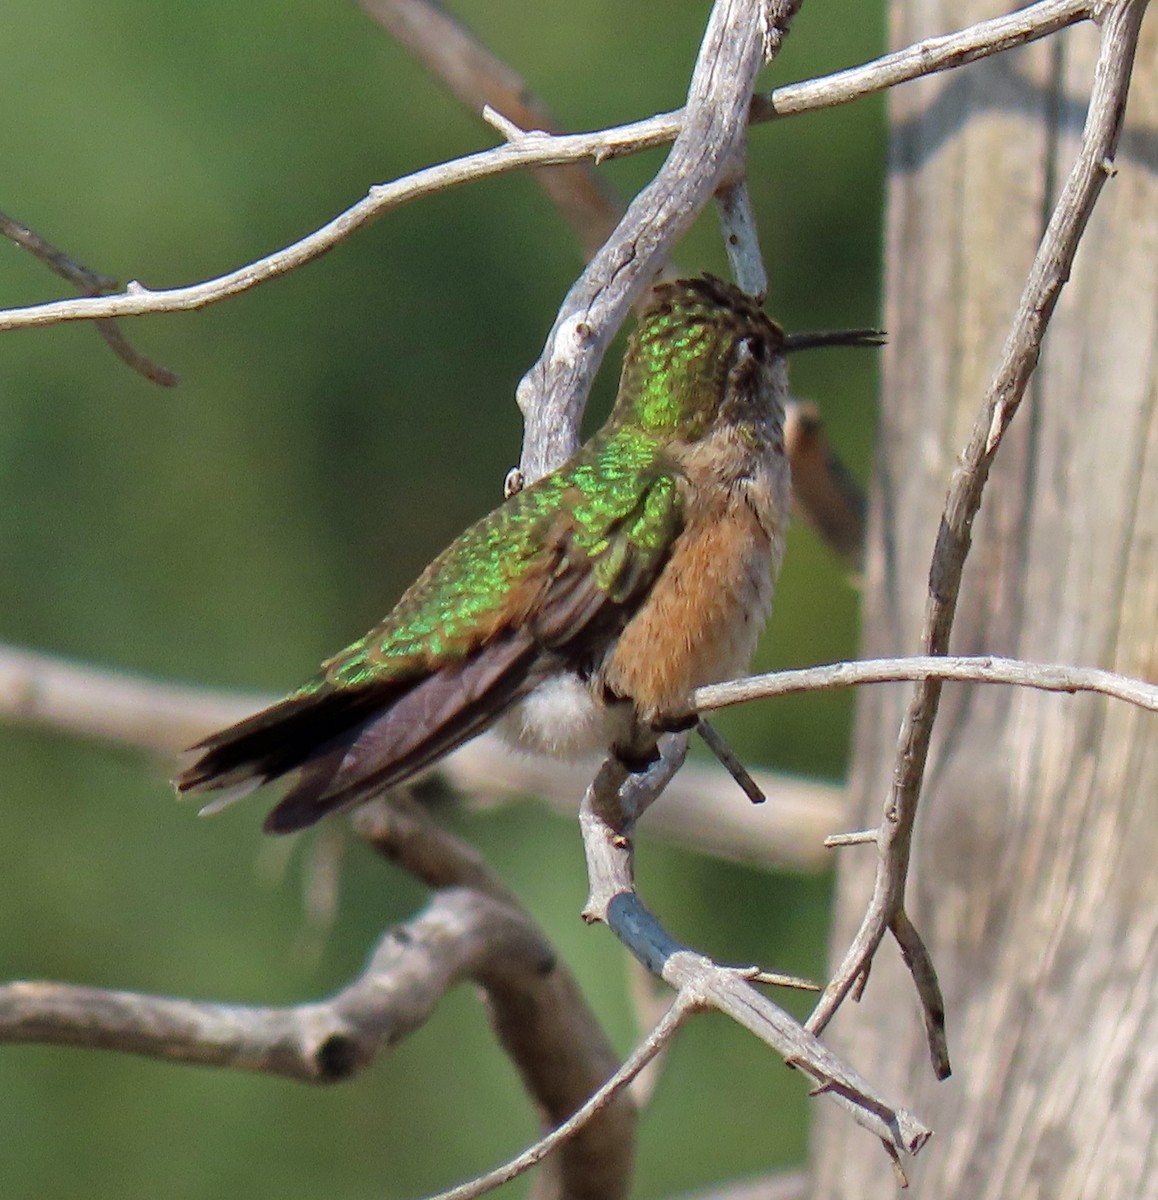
(331, 432)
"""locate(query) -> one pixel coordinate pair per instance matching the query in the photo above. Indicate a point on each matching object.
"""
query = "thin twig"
(1046, 677)
(861, 837)
(718, 745)
(91, 284)
(1050, 270)
(481, 81)
(655, 1041)
(925, 58)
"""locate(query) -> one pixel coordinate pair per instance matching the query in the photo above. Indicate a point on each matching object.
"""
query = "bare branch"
(741, 240)
(699, 809)
(927, 57)
(474, 928)
(728, 758)
(461, 934)
(51, 693)
(541, 1020)
(1051, 268)
(1046, 677)
(937, 54)
(920, 965)
(482, 81)
(610, 809)
(91, 284)
(709, 145)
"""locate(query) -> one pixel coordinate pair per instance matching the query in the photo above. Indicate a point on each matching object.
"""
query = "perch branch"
(924, 58)
(1121, 21)
(699, 809)
(610, 809)
(1046, 677)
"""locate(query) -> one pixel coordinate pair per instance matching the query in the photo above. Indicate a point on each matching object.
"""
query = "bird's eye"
(749, 349)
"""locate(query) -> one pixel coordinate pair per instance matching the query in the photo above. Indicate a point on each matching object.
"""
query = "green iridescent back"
(617, 502)
(612, 494)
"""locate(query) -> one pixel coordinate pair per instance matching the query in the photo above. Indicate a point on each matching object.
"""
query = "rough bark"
(1034, 878)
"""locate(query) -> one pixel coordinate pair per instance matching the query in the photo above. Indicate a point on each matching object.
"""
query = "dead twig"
(612, 805)
(90, 283)
(986, 668)
(925, 58)
(1050, 270)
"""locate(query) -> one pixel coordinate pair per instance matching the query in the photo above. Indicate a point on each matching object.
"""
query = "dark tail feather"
(350, 742)
(278, 739)
(435, 717)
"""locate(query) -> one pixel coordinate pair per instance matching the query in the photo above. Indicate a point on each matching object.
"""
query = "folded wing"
(530, 590)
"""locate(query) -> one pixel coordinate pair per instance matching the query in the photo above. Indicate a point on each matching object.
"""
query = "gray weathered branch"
(1051, 269)
(935, 54)
(701, 808)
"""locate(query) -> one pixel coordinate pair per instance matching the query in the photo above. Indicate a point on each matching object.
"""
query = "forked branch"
(928, 57)
(1051, 268)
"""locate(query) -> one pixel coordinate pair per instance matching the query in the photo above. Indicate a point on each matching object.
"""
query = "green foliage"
(333, 431)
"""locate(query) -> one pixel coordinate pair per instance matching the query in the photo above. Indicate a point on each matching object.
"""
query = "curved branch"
(542, 1020)
(1050, 270)
(1046, 677)
(610, 809)
(936, 54)
(462, 934)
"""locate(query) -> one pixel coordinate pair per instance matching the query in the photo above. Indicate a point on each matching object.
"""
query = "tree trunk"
(1035, 871)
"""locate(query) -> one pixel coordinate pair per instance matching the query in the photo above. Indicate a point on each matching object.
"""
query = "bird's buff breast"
(699, 624)
(701, 621)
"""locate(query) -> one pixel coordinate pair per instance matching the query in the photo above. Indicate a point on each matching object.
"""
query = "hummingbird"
(581, 613)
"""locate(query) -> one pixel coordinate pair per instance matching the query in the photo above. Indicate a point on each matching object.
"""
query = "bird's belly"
(562, 717)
